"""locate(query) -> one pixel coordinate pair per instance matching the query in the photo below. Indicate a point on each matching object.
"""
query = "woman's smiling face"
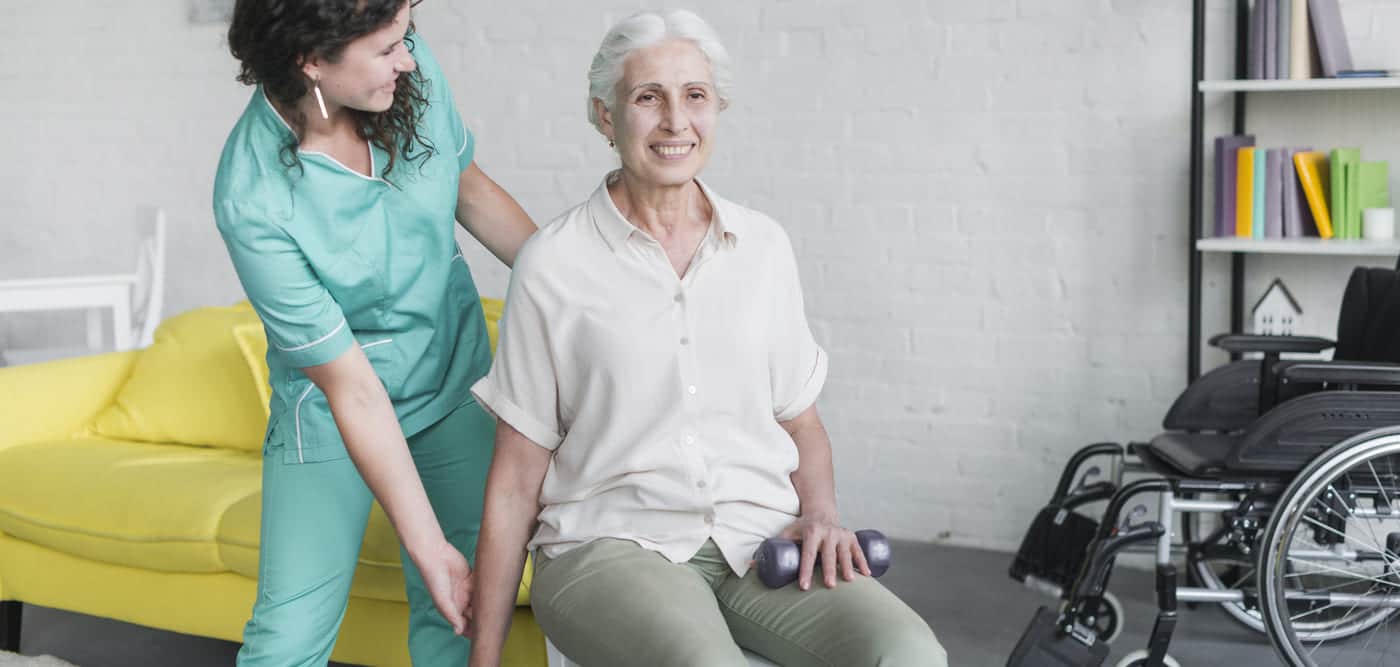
(664, 114)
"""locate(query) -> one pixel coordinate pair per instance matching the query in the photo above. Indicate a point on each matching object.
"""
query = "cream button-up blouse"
(659, 396)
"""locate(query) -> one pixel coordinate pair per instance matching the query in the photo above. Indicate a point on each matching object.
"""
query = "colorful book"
(1261, 170)
(1314, 178)
(1270, 8)
(1300, 48)
(1346, 217)
(1226, 177)
(1296, 219)
(1256, 41)
(1273, 193)
(1244, 193)
(1331, 36)
(1373, 185)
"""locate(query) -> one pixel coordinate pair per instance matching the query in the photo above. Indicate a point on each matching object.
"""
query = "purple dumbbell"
(778, 560)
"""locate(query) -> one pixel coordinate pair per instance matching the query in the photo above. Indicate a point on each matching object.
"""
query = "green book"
(1346, 191)
(1374, 185)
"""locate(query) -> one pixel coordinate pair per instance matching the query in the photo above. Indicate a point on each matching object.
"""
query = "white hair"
(646, 29)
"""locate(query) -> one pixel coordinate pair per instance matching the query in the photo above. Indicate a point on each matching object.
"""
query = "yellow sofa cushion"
(379, 574)
(150, 506)
(252, 343)
(191, 386)
(492, 309)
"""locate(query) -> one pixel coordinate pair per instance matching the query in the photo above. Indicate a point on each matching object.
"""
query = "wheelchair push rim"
(1325, 554)
(1237, 572)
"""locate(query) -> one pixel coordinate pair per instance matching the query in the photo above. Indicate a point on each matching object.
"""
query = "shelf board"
(1303, 246)
(1290, 85)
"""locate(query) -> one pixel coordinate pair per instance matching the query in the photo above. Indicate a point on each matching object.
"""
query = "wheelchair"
(1285, 477)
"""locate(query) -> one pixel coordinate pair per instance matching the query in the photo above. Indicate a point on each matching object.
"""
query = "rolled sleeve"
(522, 389)
(797, 365)
(305, 326)
(467, 142)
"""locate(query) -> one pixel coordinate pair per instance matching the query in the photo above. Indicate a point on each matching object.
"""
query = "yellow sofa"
(129, 489)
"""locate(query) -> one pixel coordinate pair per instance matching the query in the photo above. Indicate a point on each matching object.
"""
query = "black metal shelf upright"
(1196, 217)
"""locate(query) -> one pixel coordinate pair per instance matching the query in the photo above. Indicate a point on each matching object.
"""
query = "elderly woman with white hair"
(654, 388)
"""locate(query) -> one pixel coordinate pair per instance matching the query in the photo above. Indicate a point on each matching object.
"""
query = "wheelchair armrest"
(1342, 372)
(1270, 344)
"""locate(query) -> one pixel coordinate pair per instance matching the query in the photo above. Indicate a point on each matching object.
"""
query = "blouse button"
(691, 390)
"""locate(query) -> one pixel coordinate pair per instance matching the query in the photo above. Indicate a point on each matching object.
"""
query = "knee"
(706, 654)
(906, 646)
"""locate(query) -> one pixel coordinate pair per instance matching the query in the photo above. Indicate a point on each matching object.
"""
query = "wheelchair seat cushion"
(1193, 454)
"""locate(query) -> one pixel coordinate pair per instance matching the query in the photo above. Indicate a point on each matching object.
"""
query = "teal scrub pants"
(313, 521)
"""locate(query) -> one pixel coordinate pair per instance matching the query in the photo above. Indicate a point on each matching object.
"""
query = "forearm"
(512, 505)
(491, 215)
(377, 446)
(814, 478)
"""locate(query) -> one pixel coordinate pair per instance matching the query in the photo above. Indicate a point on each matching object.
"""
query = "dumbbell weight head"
(876, 549)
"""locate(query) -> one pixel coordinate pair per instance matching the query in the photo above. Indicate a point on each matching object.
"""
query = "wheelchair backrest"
(1368, 328)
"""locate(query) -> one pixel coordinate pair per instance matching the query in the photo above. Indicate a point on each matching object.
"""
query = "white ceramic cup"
(1378, 224)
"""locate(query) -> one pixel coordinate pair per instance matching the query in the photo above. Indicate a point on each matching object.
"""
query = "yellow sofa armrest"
(55, 399)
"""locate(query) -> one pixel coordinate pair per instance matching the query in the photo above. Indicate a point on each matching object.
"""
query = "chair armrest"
(1343, 372)
(1267, 344)
(59, 398)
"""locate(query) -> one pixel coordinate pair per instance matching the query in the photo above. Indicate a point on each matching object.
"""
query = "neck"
(659, 210)
(316, 129)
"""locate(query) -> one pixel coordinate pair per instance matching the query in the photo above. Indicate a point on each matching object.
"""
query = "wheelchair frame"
(1251, 502)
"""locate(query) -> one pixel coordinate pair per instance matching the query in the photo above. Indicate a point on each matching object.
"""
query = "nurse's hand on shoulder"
(838, 548)
(448, 578)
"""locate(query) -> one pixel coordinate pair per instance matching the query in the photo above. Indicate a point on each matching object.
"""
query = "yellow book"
(1244, 193)
(1312, 175)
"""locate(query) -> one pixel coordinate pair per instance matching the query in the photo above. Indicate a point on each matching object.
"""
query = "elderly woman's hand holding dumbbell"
(799, 550)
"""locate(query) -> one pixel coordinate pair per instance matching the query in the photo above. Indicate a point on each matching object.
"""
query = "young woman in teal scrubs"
(336, 195)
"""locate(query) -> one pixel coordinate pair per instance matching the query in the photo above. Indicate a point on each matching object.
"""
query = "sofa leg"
(10, 612)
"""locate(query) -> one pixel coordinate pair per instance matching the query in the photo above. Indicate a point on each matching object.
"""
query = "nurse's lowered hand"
(447, 576)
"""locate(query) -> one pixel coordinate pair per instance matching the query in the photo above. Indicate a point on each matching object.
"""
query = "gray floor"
(977, 611)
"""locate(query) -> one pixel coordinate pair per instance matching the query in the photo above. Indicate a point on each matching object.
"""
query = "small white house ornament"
(1277, 313)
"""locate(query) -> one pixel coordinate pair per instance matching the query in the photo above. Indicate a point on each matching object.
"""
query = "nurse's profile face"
(365, 74)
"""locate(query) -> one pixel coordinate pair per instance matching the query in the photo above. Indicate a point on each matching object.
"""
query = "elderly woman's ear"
(605, 126)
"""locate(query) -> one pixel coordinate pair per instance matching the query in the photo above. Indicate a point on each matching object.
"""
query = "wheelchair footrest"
(1054, 547)
(1045, 645)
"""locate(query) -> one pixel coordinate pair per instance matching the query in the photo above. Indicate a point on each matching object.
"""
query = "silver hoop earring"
(320, 101)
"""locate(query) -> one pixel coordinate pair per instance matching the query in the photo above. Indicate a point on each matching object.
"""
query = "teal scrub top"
(328, 256)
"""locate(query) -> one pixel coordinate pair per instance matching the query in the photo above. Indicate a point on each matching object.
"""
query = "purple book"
(1332, 49)
(1227, 150)
(1270, 38)
(1273, 193)
(1256, 40)
(1297, 217)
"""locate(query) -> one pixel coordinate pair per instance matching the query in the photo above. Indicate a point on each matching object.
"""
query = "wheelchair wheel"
(1138, 658)
(1222, 573)
(1107, 618)
(1328, 566)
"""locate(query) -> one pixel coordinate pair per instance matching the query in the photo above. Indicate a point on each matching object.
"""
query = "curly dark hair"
(270, 37)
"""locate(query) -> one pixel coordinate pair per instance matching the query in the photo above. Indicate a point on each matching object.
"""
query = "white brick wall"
(987, 198)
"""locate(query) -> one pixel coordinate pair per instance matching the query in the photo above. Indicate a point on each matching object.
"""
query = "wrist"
(427, 548)
(822, 515)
